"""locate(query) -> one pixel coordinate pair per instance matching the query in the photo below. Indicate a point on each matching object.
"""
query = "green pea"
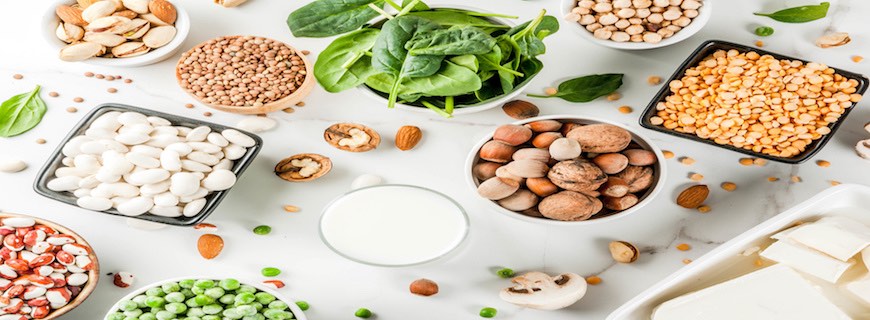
(133, 313)
(116, 316)
(165, 315)
(140, 300)
(187, 283)
(212, 309)
(215, 292)
(229, 284)
(301, 304)
(211, 317)
(273, 314)
(204, 284)
(197, 290)
(195, 312)
(363, 313)
(257, 305)
(247, 310)
(155, 302)
(175, 297)
(128, 305)
(155, 292)
(188, 293)
(247, 288)
(244, 298)
(764, 31)
(228, 298)
(148, 316)
(488, 312)
(270, 272)
(505, 273)
(262, 230)
(281, 305)
(255, 317)
(176, 307)
(203, 299)
(232, 314)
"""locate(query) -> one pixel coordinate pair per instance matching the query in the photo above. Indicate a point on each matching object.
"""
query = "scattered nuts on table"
(257, 124)
(114, 29)
(11, 165)
(857, 59)
(704, 208)
(684, 247)
(291, 208)
(123, 279)
(729, 186)
(746, 161)
(623, 252)
(693, 196)
(593, 280)
(796, 179)
(696, 176)
(634, 20)
(209, 245)
(538, 290)
(654, 80)
(823, 163)
(668, 154)
(303, 167)
(834, 39)
(424, 287)
(687, 161)
(520, 109)
(772, 179)
(407, 137)
(352, 137)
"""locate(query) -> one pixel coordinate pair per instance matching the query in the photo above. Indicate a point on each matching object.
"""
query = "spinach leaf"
(548, 26)
(390, 55)
(454, 41)
(420, 6)
(344, 64)
(21, 113)
(587, 88)
(799, 14)
(469, 61)
(451, 80)
(458, 18)
(527, 39)
(324, 18)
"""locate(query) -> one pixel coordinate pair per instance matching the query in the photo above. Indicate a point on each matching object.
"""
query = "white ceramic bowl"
(660, 172)
(298, 314)
(697, 23)
(465, 109)
(182, 25)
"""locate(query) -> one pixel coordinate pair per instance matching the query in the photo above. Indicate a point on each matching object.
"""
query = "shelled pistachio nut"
(138, 28)
(130, 49)
(159, 36)
(153, 19)
(113, 24)
(81, 50)
(129, 14)
(139, 6)
(229, 3)
(98, 10)
(104, 38)
(69, 33)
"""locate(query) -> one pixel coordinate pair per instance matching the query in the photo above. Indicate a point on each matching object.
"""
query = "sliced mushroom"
(352, 137)
(303, 167)
(863, 149)
(835, 39)
(537, 290)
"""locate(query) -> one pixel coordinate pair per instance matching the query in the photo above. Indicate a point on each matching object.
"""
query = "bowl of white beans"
(636, 24)
(149, 165)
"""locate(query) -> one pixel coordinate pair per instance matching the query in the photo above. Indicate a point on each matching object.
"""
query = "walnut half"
(352, 137)
(303, 167)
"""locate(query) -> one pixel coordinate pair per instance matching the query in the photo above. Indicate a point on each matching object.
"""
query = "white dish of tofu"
(810, 262)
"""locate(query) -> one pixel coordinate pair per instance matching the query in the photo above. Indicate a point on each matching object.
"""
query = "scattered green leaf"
(799, 14)
(21, 113)
(586, 88)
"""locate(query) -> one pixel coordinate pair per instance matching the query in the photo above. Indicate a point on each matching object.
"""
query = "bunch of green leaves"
(21, 113)
(439, 58)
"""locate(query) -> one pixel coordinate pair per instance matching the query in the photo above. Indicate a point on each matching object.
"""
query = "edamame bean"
(488, 312)
(363, 313)
(262, 230)
(175, 297)
(264, 297)
(270, 272)
(230, 284)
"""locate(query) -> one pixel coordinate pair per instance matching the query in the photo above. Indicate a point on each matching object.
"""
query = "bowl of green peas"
(205, 299)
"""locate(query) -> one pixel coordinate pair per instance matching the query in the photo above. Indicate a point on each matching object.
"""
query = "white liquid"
(393, 225)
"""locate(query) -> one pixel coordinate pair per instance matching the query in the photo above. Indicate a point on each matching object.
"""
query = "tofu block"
(860, 289)
(830, 239)
(807, 260)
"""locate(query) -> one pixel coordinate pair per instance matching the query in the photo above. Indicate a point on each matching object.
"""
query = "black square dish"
(709, 47)
(212, 200)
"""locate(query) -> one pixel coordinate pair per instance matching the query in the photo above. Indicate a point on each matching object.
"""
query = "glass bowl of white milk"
(393, 225)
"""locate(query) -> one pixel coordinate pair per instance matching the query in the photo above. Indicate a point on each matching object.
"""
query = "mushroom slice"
(863, 149)
(303, 167)
(537, 290)
(835, 39)
(352, 137)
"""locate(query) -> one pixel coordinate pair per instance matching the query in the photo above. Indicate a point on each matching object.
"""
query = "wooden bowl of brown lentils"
(245, 74)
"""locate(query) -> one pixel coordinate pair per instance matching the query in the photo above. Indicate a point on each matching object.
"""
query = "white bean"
(142, 160)
(82, 192)
(148, 176)
(217, 139)
(93, 147)
(234, 152)
(139, 127)
(136, 206)
(183, 131)
(70, 171)
(199, 194)
(166, 199)
(77, 279)
(100, 133)
(162, 140)
(203, 158)
(158, 121)
(223, 164)
(191, 165)
(107, 176)
(89, 182)
(73, 147)
(19, 222)
(184, 184)
(182, 148)
(67, 183)
(219, 180)
(11, 165)
(155, 188)
(204, 147)
(194, 207)
(256, 124)
(117, 201)
(171, 211)
(170, 160)
(235, 136)
(147, 150)
(132, 117)
(198, 134)
(165, 130)
(94, 203)
(109, 120)
(132, 138)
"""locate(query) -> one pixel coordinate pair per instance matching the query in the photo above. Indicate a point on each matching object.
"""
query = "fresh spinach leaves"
(799, 14)
(21, 113)
(345, 63)
(390, 55)
(586, 88)
(324, 18)
(454, 41)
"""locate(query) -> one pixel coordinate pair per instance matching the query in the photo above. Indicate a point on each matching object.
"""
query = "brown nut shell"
(163, 10)
(497, 188)
(620, 203)
(623, 252)
(568, 126)
(544, 125)
(601, 138)
(569, 206)
(424, 287)
(519, 201)
(485, 170)
(638, 178)
(611, 163)
(339, 131)
(640, 157)
(71, 15)
(693, 196)
(287, 171)
(614, 187)
(541, 186)
(577, 175)
(520, 109)
(536, 154)
(544, 140)
(497, 151)
(512, 134)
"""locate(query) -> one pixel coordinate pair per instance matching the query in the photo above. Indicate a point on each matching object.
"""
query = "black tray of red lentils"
(754, 102)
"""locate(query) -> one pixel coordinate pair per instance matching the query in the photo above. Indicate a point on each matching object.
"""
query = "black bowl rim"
(40, 184)
(706, 48)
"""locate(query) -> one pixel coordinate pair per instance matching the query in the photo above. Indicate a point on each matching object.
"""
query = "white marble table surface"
(335, 287)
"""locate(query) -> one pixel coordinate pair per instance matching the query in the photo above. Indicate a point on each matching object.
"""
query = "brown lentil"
(704, 208)
(696, 177)
(89, 74)
(72, 110)
(614, 96)
(189, 106)
(53, 94)
(684, 247)
(110, 78)
(823, 163)
(625, 109)
(306, 52)
(17, 77)
(759, 162)
(112, 90)
(289, 110)
(772, 179)
(746, 161)
(290, 208)
(241, 71)
(128, 80)
(668, 154)
(100, 76)
(78, 100)
(300, 104)
(834, 182)
(758, 103)
(593, 280)
(687, 161)
(857, 59)
(687, 261)
(654, 80)
(729, 186)
(40, 141)
(207, 114)
(551, 91)
(796, 179)
(759, 43)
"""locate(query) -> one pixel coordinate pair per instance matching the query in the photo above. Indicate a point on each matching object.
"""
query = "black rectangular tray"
(707, 48)
(212, 200)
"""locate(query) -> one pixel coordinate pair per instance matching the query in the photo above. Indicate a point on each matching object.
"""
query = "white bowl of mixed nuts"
(636, 24)
(566, 170)
(116, 33)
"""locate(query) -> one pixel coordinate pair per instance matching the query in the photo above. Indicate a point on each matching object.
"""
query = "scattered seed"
(78, 100)
(687, 261)
(365, 313)
(823, 163)
(270, 272)
(796, 179)
(17, 77)
(687, 161)
(189, 106)
(625, 109)
(857, 58)
(759, 43)
(72, 110)
(118, 77)
(300, 104)
(306, 52)
(729, 186)
(303, 305)
(772, 179)
(207, 226)
(704, 208)
(668, 154)
(696, 176)
(759, 262)
(112, 90)
(746, 161)
(262, 230)
(128, 80)
(505, 273)
(684, 247)
(53, 94)
(654, 80)
(110, 78)
(593, 280)
(290, 208)
(834, 182)
(89, 74)
(100, 76)
(289, 110)
(488, 312)
(551, 91)
(614, 96)
(207, 114)
(759, 162)
(40, 141)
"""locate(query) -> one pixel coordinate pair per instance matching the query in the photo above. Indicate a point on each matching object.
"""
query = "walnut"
(601, 138)
(569, 206)
(577, 175)
(352, 137)
(638, 178)
(303, 167)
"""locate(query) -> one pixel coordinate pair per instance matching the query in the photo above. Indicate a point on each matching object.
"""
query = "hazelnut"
(569, 206)
(544, 125)
(541, 186)
(568, 126)
(614, 187)
(640, 157)
(497, 151)
(532, 212)
(577, 175)
(544, 140)
(638, 178)
(485, 170)
(424, 287)
(601, 137)
(611, 163)
(565, 149)
(519, 201)
(528, 168)
(519, 109)
(497, 188)
(620, 203)
(536, 154)
(512, 134)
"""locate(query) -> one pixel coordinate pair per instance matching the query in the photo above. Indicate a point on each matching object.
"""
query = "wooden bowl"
(301, 92)
(93, 274)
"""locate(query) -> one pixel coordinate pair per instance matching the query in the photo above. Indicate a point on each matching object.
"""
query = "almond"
(693, 196)
(407, 137)
(70, 15)
(163, 10)
(210, 245)
(519, 109)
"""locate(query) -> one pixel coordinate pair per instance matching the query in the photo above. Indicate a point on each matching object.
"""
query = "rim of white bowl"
(182, 26)
(698, 23)
(661, 175)
(297, 312)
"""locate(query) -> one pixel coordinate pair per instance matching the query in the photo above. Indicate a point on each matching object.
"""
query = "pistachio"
(98, 10)
(81, 51)
(112, 24)
(537, 154)
(230, 3)
(129, 14)
(138, 28)
(139, 6)
(503, 173)
(835, 39)
(69, 33)
(153, 19)
(130, 49)
(72, 15)
(159, 36)
(104, 38)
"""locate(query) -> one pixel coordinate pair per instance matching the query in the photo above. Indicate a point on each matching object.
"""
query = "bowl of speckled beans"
(636, 24)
